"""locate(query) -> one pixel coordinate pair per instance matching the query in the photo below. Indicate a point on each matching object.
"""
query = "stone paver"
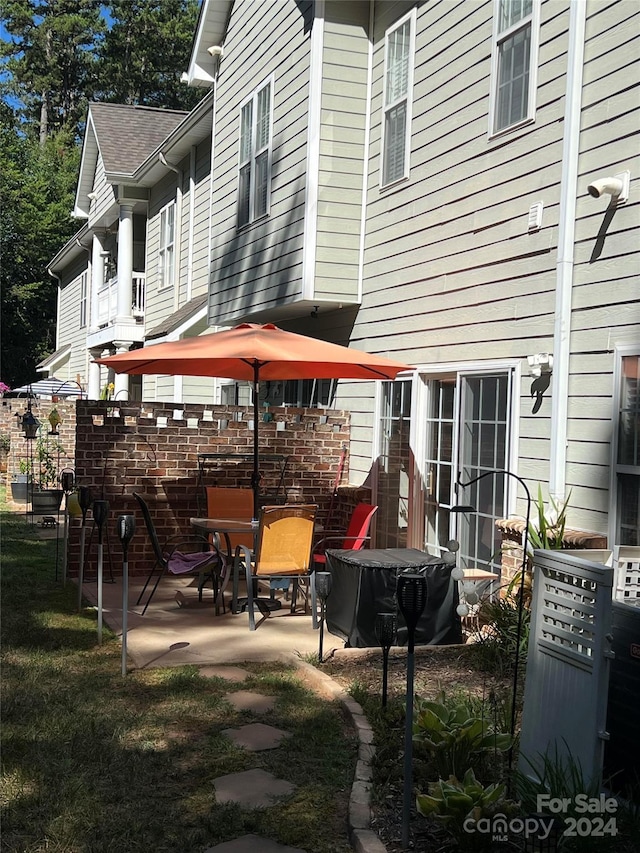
(245, 700)
(252, 844)
(230, 673)
(256, 736)
(252, 789)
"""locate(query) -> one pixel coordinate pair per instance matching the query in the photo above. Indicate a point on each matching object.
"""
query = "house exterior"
(423, 180)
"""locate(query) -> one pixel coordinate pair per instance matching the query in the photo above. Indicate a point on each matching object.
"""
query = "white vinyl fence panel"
(565, 698)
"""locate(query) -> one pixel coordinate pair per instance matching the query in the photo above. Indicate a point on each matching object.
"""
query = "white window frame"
(255, 152)
(531, 21)
(407, 97)
(84, 281)
(166, 248)
(621, 352)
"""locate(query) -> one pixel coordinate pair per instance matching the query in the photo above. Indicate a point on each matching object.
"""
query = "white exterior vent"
(535, 216)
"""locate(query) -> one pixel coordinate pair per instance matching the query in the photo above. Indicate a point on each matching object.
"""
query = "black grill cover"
(364, 584)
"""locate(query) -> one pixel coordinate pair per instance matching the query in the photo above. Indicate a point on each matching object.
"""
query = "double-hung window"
(398, 83)
(254, 177)
(514, 63)
(166, 260)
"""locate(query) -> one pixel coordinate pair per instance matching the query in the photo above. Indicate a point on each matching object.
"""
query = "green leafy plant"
(494, 649)
(46, 462)
(455, 735)
(455, 802)
(5, 442)
(547, 529)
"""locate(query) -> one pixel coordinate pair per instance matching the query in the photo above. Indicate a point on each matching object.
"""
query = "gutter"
(566, 241)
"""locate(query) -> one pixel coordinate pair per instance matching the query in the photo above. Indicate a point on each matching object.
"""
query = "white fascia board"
(89, 158)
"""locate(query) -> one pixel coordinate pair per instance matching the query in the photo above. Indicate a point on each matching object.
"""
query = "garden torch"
(411, 590)
(67, 478)
(323, 588)
(100, 512)
(126, 527)
(84, 499)
(385, 628)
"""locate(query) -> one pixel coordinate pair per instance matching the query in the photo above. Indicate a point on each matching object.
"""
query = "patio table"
(215, 527)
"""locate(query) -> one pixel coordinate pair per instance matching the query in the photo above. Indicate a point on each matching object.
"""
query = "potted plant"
(20, 482)
(47, 495)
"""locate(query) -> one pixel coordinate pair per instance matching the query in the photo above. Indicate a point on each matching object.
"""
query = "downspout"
(59, 280)
(192, 204)
(177, 380)
(566, 240)
(216, 382)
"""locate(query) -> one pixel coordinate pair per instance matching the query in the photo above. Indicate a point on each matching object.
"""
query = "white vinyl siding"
(255, 156)
(166, 251)
(398, 83)
(514, 58)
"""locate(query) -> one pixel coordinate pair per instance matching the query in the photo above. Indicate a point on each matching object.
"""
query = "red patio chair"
(356, 535)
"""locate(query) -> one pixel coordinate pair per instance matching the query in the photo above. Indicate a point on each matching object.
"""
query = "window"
(398, 83)
(166, 261)
(461, 427)
(514, 68)
(254, 176)
(83, 299)
(627, 467)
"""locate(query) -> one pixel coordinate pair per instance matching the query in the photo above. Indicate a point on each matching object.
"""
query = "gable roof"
(144, 128)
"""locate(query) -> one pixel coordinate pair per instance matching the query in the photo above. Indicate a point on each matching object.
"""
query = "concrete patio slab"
(257, 736)
(252, 789)
(172, 635)
(252, 844)
(245, 700)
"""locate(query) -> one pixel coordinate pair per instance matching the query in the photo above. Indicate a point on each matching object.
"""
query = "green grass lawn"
(93, 761)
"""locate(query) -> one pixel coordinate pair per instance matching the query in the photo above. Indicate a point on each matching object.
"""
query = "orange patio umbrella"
(253, 353)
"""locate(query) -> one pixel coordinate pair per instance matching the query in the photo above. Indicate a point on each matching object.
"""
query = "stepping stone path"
(252, 788)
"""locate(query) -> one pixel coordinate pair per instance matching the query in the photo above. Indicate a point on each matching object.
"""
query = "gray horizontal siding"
(261, 264)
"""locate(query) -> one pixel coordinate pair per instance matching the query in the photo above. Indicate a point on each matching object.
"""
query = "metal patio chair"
(205, 563)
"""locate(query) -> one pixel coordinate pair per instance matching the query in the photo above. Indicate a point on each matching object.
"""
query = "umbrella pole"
(255, 477)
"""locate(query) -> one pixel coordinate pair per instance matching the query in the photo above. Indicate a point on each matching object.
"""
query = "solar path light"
(411, 591)
(126, 527)
(385, 628)
(100, 513)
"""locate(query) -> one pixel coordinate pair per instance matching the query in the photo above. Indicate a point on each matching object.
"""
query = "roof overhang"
(79, 244)
(210, 32)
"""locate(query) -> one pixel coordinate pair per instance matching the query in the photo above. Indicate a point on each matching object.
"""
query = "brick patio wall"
(153, 448)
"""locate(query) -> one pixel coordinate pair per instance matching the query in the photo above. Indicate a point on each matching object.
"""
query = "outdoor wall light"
(323, 590)
(385, 628)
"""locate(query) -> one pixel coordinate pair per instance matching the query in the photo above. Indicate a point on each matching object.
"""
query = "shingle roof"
(128, 134)
(174, 321)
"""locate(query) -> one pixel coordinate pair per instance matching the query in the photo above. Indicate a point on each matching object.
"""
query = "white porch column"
(125, 263)
(121, 380)
(97, 280)
(93, 389)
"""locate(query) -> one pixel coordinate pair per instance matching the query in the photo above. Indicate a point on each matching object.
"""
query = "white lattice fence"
(565, 700)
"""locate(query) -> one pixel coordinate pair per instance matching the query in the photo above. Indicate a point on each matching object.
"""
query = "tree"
(145, 52)
(50, 62)
(37, 186)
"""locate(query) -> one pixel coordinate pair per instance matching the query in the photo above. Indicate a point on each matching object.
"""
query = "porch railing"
(108, 299)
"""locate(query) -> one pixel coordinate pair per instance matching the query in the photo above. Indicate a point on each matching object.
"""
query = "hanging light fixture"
(30, 424)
